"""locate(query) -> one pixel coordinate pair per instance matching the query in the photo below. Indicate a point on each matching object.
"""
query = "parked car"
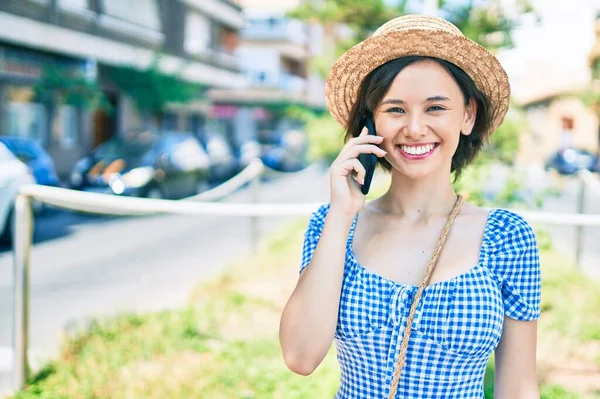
(13, 174)
(569, 161)
(223, 164)
(249, 150)
(35, 157)
(289, 155)
(169, 165)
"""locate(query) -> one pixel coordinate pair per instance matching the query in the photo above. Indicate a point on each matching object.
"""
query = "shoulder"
(506, 224)
(472, 213)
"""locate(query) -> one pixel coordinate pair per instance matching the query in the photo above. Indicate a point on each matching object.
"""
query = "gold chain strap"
(415, 303)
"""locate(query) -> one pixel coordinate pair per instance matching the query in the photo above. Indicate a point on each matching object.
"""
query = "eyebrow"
(402, 102)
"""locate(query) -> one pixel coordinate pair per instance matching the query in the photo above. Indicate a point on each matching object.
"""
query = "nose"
(414, 128)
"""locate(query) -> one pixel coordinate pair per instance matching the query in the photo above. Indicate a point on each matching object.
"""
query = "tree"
(485, 23)
(65, 87)
(152, 90)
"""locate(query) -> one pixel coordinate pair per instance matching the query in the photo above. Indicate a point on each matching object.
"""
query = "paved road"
(84, 266)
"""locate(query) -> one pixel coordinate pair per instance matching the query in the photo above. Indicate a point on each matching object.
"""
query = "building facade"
(195, 39)
(275, 53)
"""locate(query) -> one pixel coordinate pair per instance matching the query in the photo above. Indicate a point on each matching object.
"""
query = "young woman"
(416, 287)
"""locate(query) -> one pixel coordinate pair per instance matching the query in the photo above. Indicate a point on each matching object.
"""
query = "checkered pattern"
(458, 323)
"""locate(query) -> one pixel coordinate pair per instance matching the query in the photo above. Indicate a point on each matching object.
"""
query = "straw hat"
(416, 35)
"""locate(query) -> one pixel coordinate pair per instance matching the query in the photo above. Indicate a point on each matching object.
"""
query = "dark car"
(35, 157)
(169, 165)
(569, 161)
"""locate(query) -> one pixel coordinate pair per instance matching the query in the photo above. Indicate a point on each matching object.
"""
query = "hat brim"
(347, 73)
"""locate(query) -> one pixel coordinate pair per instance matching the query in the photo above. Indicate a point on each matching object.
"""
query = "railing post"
(579, 229)
(22, 237)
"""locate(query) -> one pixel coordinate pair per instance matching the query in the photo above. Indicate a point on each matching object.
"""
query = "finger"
(353, 167)
(355, 151)
(370, 139)
(360, 171)
(367, 139)
(364, 132)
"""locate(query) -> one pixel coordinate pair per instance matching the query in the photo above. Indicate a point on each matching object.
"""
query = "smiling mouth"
(417, 151)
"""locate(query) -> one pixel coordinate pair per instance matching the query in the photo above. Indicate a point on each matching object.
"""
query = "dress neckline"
(479, 264)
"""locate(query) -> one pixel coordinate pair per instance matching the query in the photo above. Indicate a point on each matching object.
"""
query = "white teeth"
(414, 150)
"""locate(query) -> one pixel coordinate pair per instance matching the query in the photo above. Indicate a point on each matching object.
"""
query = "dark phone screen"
(368, 161)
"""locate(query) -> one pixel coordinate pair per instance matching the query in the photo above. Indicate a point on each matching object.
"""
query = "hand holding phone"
(352, 171)
(368, 161)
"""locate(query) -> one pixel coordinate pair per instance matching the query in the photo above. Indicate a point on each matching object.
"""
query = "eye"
(395, 110)
(435, 108)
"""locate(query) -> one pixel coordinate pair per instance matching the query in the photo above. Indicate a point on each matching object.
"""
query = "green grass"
(224, 345)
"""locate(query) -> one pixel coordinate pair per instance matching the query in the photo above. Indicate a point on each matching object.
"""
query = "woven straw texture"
(416, 35)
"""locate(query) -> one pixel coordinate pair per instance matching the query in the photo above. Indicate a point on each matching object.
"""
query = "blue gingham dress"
(457, 325)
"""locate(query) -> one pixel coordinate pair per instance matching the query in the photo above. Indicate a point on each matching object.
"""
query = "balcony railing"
(284, 81)
(280, 29)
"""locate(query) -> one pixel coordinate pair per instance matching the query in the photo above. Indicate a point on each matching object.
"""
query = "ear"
(469, 118)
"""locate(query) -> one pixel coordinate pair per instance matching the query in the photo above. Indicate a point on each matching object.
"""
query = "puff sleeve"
(313, 234)
(515, 262)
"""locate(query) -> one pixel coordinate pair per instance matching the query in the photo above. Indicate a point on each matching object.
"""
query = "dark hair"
(376, 84)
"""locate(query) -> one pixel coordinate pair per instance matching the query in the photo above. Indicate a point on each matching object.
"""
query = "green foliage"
(363, 17)
(151, 89)
(483, 22)
(504, 142)
(570, 302)
(486, 25)
(325, 138)
(69, 88)
(591, 99)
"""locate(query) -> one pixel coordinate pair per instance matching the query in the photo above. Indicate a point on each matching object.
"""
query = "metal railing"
(196, 205)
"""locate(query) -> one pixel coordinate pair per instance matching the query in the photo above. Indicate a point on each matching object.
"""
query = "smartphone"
(368, 161)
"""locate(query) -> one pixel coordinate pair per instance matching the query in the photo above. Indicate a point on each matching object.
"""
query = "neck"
(418, 199)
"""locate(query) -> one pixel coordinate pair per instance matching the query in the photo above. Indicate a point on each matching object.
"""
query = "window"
(26, 120)
(74, 4)
(65, 132)
(140, 12)
(197, 33)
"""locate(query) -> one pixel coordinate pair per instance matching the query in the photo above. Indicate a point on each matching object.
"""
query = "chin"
(418, 172)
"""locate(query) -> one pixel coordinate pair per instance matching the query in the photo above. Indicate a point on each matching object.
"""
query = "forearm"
(516, 375)
(309, 318)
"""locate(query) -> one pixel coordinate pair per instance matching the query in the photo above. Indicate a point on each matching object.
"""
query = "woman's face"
(421, 118)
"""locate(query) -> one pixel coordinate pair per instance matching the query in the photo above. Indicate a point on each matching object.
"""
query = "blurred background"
(167, 99)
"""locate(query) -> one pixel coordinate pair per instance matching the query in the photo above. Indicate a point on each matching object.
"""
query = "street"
(86, 266)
